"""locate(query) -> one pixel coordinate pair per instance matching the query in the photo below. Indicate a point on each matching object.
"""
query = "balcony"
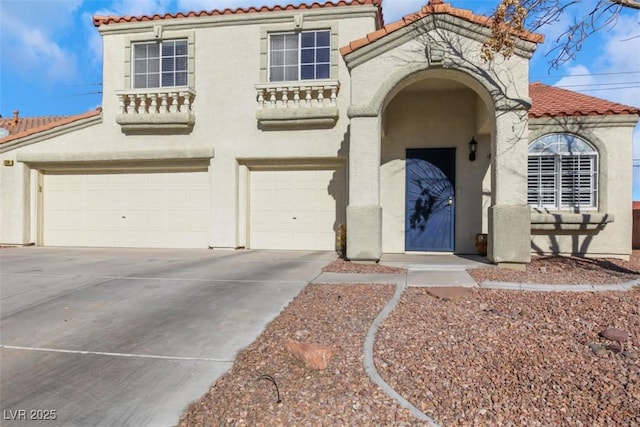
(301, 105)
(158, 110)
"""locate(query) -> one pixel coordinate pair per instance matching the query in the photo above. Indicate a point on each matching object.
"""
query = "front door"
(430, 199)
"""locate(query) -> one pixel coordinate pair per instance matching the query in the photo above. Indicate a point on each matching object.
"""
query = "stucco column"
(509, 214)
(16, 205)
(223, 205)
(364, 213)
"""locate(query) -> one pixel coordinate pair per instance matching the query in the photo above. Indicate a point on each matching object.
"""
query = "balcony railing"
(160, 109)
(297, 104)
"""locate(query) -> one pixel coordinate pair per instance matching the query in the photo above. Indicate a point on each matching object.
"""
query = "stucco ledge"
(302, 118)
(569, 221)
(156, 123)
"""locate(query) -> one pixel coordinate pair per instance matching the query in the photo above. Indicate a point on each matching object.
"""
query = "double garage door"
(126, 209)
(287, 209)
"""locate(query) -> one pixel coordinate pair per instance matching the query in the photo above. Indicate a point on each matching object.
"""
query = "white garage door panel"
(295, 209)
(164, 210)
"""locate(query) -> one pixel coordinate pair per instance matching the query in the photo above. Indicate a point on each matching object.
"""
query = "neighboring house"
(276, 127)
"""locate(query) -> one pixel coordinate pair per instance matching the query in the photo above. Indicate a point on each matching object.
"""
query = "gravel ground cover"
(342, 395)
(557, 270)
(514, 358)
(342, 266)
(489, 358)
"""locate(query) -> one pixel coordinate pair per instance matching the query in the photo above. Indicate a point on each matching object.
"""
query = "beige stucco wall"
(384, 70)
(227, 68)
(433, 119)
(612, 137)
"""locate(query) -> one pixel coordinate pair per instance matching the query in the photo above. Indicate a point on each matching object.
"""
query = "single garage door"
(296, 209)
(126, 209)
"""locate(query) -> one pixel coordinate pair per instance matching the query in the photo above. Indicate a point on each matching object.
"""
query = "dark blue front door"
(430, 199)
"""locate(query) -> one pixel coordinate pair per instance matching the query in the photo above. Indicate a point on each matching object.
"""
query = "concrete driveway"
(129, 337)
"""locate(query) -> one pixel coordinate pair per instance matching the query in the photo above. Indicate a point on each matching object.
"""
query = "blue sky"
(51, 55)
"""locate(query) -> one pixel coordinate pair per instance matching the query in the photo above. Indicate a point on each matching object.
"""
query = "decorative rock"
(631, 354)
(616, 334)
(598, 349)
(449, 293)
(484, 307)
(314, 356)
(302, 334)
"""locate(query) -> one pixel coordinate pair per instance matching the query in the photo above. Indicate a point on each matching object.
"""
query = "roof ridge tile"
(439, 7)
(99, 20)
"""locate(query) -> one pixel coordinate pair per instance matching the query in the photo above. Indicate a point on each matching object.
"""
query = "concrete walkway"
(441, 271)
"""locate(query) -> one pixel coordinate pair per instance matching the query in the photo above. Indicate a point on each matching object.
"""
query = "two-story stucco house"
(280, 127)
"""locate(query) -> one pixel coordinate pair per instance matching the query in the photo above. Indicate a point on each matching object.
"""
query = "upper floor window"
(562, 173)
(160, 64)
(303, 55)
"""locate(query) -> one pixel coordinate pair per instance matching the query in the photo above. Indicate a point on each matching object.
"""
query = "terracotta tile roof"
(105, 20)
(636, 206)
(550, 101)
(25, 126)
(433, 7)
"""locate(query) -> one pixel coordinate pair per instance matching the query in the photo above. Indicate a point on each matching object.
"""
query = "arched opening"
(433, 196)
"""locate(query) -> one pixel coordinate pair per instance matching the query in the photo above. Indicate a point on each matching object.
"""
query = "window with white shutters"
(543, 181)
(562, 173)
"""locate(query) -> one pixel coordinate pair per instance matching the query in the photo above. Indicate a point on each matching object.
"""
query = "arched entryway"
(434, 196)
(431, 66)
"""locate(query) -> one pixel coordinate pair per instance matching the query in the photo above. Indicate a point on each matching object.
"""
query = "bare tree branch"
(515, 16)
(633, 4)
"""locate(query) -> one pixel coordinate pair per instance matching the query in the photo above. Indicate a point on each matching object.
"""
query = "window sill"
(569, 221)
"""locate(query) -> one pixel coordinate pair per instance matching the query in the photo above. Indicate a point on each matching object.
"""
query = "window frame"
(291, 27)
(158, 35)
(299, 35)
(161, 58)
(560, 147)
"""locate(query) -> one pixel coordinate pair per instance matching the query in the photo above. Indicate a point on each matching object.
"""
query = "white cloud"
(607, 57)
(93, 39)
(396, 9)
(30, 38)
(138, 7)
(621, 54)
(577, 76)
(392, 9)
(198, 5)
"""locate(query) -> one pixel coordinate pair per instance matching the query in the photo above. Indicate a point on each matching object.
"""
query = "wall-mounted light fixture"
(473, 147)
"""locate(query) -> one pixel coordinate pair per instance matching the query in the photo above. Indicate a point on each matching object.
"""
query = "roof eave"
(101, 21)
(32, 136)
